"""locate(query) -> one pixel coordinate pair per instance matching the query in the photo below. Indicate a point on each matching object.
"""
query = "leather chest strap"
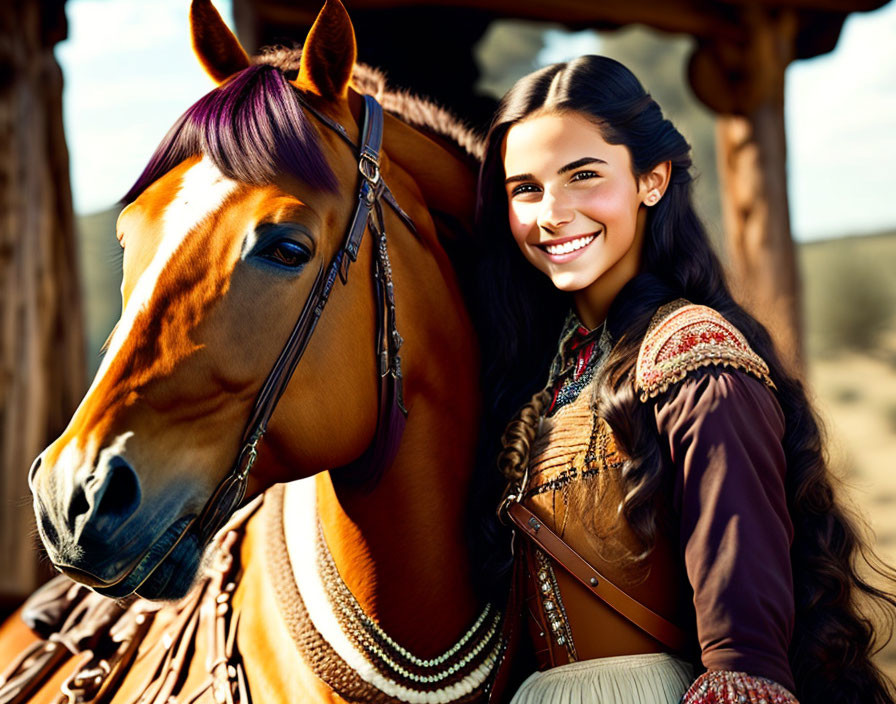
(644, 618)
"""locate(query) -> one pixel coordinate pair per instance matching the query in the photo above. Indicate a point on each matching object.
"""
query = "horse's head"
(241, 209)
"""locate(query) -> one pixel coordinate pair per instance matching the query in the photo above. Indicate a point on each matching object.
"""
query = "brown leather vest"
(574, 488)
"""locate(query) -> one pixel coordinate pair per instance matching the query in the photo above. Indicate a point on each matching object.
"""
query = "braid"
(492, 536)
(518, 436)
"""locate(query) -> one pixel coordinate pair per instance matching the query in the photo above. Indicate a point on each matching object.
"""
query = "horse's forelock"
(252, 128)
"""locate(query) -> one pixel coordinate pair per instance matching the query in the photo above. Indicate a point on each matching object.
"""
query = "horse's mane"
(419, 112)
(253, 127)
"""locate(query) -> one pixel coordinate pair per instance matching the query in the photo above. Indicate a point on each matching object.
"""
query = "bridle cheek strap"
(368, 215)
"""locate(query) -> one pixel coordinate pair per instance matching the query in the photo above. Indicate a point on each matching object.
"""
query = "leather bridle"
(372, 191)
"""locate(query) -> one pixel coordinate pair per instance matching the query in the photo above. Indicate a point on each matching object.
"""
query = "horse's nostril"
(77, 506)
(118, 496)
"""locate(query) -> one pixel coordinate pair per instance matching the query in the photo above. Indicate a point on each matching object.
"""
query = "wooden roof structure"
(724, 29)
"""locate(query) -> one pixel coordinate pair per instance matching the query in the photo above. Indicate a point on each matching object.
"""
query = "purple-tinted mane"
(252, 127)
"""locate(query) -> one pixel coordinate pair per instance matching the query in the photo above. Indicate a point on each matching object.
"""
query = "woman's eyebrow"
(518, 177)
(580, 162)
(564, 169)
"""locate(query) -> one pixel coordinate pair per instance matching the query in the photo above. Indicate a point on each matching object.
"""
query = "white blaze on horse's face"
(201, 192)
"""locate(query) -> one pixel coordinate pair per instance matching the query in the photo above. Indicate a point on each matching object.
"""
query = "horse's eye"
(288, 253)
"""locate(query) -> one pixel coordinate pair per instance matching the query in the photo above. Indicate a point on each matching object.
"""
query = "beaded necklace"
(580, 353)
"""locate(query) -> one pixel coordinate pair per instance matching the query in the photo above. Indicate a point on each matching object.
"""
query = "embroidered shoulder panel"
(683, 337)
(724, 687)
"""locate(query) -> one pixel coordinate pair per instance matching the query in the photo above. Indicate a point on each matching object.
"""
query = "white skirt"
(654, 678)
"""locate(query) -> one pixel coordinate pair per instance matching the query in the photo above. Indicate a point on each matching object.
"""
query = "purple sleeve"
(724, 430)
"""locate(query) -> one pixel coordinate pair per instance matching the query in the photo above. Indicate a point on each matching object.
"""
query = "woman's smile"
(565, 249)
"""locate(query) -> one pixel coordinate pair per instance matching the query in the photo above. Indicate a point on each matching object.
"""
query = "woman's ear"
(653, 184)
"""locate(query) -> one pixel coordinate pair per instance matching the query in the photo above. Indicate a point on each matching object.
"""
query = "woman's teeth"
(570, 246)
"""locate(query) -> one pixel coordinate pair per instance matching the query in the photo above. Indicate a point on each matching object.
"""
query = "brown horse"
(329, 589)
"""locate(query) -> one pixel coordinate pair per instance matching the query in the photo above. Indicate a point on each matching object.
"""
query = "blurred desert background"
(850, 298)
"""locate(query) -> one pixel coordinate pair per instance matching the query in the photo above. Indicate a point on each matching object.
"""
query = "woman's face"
(574, 204)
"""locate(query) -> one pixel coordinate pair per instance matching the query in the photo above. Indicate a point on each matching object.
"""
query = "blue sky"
(130, 72)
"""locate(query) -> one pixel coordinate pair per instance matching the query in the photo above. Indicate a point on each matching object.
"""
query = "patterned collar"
(580, 353)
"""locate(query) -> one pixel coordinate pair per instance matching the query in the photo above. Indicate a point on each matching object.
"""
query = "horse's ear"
(218, 50)
(328, 56)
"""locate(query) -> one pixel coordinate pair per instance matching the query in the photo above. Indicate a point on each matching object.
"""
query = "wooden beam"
(42, 369)
(843, 7)
(701, 18)
(761, 257)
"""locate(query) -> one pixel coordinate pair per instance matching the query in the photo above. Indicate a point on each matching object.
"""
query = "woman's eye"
(583, 175)
(286, 253)
(524, 188)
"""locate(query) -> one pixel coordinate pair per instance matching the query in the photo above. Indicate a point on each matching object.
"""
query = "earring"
(653, 197)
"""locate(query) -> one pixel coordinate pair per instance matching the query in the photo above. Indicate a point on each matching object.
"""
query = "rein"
(368, 214)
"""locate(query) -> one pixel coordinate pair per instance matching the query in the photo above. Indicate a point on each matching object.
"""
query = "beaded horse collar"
(344, 647)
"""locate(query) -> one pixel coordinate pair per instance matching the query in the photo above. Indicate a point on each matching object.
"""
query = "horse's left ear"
(218, 50)
(328, 56)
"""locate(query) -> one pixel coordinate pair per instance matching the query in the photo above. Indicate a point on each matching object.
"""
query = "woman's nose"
(555, 212)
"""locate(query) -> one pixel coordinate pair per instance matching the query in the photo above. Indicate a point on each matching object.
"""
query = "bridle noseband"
(372, 191)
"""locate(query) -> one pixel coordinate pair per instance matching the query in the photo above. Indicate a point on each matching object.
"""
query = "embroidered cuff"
(724, 687)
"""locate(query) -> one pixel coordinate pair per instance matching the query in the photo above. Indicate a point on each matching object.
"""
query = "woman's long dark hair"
(520, 314)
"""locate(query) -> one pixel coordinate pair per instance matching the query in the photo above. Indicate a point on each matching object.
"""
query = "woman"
(665, 443)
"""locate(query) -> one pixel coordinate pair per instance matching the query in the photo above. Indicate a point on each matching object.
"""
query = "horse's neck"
(446, 180)
(400, 549)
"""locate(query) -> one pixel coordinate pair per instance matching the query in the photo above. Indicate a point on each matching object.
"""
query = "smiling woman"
(664, 472)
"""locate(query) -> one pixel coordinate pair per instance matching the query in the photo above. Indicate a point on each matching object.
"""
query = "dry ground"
(856, 396)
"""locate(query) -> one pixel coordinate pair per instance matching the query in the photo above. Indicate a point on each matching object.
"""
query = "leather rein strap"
(391, 413)
(644, 618)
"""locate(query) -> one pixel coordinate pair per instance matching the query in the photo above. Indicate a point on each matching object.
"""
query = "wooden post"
(762, 263)
(42, 369)
(744, 82)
